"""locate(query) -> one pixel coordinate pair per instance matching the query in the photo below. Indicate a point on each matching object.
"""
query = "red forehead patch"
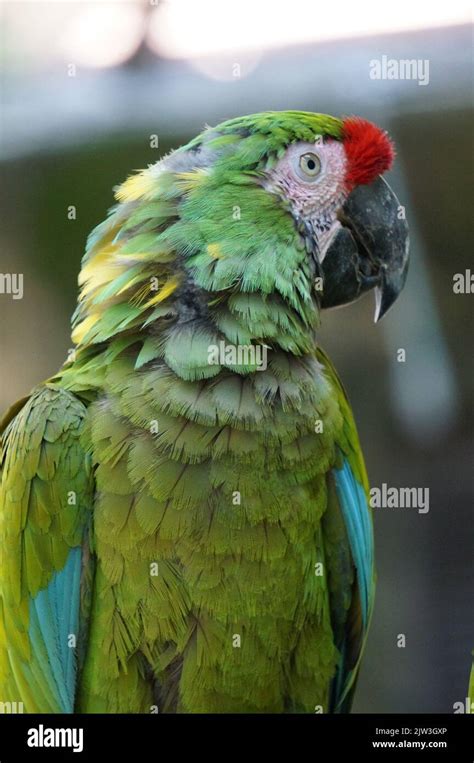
(369, 151)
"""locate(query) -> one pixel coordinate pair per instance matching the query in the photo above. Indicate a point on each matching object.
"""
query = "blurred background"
(93, 90)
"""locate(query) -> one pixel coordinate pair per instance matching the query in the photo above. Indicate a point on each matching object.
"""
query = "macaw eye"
(309, 166)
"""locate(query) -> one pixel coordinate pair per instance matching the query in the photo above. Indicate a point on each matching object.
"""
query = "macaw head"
(326, 174)
(353, 224)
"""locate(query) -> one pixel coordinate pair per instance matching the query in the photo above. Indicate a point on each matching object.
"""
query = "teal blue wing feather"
(355, 510)
(46, 496)
(349, 547)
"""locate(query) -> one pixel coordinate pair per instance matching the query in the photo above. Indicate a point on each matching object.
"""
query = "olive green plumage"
(204, 495)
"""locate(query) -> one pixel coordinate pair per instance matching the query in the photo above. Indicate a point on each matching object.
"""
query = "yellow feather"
(136, 186)
(104, 255)
(102, 277)
(169, 287)
(140, 295)
(190, 180)
(83, 327)
(214, 251)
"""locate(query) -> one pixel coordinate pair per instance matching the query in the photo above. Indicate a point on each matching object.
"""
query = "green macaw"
(184, 518)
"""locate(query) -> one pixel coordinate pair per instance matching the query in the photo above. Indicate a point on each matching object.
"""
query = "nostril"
(365, 266)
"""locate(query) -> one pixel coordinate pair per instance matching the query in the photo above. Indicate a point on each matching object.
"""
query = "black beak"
(369, 251)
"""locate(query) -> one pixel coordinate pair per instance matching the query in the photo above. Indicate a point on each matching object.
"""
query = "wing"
(348, 537)
(45, 502)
